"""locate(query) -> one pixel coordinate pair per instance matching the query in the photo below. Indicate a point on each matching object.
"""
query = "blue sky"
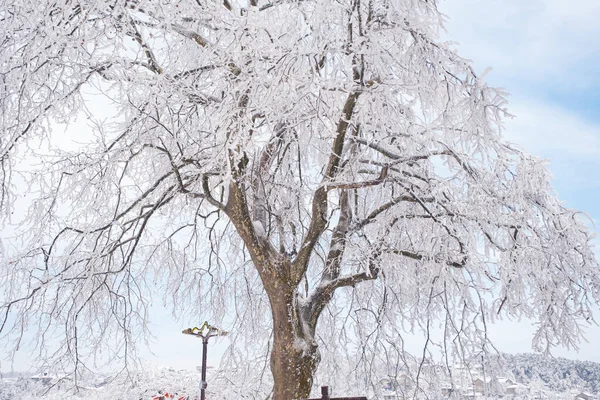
(546, 54)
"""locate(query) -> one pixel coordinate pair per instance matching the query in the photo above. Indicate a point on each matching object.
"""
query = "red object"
(168, 395)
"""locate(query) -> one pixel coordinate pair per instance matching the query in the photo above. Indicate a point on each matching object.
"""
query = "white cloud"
(540, 51)
(550, 131)
(540, 40)
(569, 143)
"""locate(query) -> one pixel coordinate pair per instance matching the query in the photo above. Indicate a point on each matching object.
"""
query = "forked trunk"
(294, 356)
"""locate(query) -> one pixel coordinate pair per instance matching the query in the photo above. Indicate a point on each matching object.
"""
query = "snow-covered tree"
(317, 176)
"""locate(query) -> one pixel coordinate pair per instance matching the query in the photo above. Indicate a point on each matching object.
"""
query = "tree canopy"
(319, 177)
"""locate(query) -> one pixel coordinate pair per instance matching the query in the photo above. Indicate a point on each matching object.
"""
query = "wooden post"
(325, 393)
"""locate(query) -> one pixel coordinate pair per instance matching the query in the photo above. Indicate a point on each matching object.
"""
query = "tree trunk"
(295, 356)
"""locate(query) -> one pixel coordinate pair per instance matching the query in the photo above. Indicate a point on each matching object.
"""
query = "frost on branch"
(333, 163)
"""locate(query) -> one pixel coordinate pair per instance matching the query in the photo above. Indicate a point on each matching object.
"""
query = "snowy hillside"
(558, 374)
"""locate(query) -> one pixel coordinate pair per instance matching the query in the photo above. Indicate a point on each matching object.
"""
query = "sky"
(546, 54)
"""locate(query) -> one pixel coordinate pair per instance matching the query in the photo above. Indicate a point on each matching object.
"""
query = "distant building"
(515, 389)
(480, 386)
(506, 382)
(44, 378)
(388, 389)
(448, 390)
(585, 396)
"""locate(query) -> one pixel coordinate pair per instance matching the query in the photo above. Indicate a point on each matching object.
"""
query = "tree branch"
(208, 195)
(386, 206)
(318, 221)
(419, 257)
(326, 289)
(359, 185)
(152, 62)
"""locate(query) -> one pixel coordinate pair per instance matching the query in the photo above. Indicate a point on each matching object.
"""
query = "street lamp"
(199, 332)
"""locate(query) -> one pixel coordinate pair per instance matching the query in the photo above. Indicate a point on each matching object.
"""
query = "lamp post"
(199, 333)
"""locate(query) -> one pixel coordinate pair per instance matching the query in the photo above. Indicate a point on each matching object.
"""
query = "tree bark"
(295, 356)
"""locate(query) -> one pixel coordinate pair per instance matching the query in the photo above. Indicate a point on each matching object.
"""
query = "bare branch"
(318, 220)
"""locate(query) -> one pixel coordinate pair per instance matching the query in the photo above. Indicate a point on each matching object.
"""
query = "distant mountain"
(558, 374)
